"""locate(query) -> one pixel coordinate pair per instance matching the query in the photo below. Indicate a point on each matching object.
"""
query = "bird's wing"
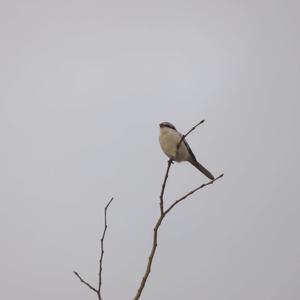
(189, 149)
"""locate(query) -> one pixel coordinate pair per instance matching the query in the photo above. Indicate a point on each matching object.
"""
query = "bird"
(169, 139)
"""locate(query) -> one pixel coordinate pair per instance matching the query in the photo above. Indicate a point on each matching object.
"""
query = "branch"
(150, 259)
(192, 192)
(86, 283)
(161, 204)
(102, 247)
(98, 291)
(185, 135)
(163, 213)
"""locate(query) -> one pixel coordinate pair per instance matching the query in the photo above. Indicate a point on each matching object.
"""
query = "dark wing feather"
(189, 149)
(195, 163)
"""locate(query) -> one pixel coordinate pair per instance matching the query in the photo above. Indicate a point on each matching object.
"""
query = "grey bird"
(169, 139)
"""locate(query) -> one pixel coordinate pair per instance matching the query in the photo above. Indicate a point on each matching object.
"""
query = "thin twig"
(98, 291)
(185, 135)
(193, 128)
(161, 204)
(86, 283)
(192, 192)
(102, 247)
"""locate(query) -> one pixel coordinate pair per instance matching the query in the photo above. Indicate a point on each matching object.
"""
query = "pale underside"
(169, 140)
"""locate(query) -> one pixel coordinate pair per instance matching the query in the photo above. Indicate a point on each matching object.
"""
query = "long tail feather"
(202, 169)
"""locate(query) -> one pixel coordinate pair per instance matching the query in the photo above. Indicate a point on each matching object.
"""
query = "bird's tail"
(202, 169)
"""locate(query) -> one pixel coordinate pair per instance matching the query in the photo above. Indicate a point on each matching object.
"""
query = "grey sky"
(84, 85)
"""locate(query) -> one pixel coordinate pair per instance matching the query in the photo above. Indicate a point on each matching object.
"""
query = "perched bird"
(169, 139)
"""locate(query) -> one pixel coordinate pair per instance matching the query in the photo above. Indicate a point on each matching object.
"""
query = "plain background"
(84, 85)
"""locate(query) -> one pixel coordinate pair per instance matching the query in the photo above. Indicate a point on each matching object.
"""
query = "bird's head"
(166, 125)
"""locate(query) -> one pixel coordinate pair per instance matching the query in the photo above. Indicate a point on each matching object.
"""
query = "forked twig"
(163, 213)
(98, 291)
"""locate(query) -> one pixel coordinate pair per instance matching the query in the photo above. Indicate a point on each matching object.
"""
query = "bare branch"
(185, 135)
(84, 282)
(151, 256)
(193, 128)
(155, 233)
(192, 192)
(161, 204)
(98, 291)
(163, 213)
(102, 247)
(157, 226)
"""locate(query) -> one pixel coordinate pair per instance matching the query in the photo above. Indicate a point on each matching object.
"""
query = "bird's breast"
(169, 141)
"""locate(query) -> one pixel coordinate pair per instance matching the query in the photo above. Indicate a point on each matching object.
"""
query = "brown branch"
(98, 291)
(161, 203)
(102, 247)
(150, 258)
(192, 192)
(155, 233)
(86, 283)
(185, 135)
(163, 213)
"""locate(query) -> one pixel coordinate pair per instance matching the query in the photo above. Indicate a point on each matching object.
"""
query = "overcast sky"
(84, 85)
